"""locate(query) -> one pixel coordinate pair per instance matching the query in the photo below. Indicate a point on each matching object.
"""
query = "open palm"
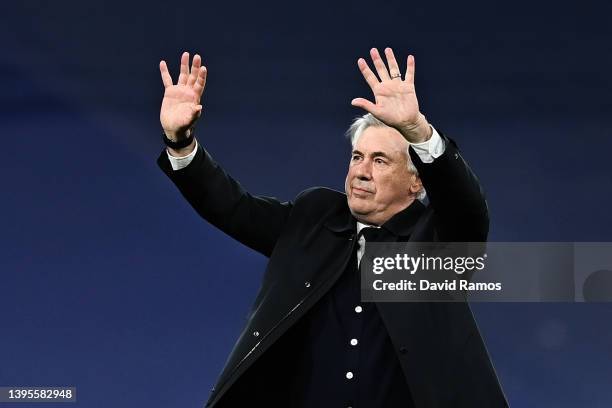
(181, 106)
(395, 98)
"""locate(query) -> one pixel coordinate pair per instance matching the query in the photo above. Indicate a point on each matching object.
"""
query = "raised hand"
(396, 102)
(181, 104)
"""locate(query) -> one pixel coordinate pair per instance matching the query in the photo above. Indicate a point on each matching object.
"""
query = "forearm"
(455, 193)
(222, 201)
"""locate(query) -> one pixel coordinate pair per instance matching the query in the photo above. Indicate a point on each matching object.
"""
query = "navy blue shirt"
(346, 358)
(309, 366)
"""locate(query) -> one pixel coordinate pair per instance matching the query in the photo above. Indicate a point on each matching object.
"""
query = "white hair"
(360, 124)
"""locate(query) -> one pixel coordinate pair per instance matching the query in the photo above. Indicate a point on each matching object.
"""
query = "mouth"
(360, 191)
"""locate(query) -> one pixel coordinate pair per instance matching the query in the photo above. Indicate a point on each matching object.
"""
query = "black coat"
(308, 242)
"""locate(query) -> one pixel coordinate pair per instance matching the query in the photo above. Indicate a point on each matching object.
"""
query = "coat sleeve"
(456, 196)
(254, 221)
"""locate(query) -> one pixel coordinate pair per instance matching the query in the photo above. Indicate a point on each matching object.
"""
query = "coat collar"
(401, 224)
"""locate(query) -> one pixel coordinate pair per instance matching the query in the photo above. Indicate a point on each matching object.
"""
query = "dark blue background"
(111, 283)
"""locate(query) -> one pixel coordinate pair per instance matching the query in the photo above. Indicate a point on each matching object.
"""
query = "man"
(309, 340)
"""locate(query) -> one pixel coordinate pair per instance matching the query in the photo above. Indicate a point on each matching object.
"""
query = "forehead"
(381, 139)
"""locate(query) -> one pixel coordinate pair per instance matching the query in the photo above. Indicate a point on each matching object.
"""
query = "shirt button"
(307, 284)
(256, 333)
(358, 309)
(354, 342)
(349, 375)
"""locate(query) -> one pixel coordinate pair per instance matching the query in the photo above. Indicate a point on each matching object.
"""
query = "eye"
(378, 160)
(355, 157)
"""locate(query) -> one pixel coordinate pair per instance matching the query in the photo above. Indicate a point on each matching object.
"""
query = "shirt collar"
(401, 224)
(361, 225)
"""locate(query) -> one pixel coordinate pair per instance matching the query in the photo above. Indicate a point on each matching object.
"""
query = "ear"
(416, 185)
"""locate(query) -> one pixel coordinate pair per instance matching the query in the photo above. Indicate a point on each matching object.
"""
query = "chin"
(358, 209)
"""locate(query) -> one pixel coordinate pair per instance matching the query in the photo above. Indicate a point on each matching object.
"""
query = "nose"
(364, 170)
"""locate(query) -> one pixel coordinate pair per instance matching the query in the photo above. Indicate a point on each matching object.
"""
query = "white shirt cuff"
(430, 149)
(178, 163)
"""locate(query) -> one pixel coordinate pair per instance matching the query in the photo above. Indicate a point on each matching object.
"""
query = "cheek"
(391, 186)
(350, 174)
(346, 181)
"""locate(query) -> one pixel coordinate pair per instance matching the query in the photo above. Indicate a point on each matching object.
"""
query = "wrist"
(183, 151)
(182, 142)
(418, 132)
(178, 135)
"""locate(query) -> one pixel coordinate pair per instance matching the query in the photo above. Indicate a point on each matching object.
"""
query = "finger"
(410, 70)
(394, 70)
(182, 80)
(196, 112)
(200, 82)
(165, 75)
(367, 73)
(364, 104)
(195, 70)
(379, 64)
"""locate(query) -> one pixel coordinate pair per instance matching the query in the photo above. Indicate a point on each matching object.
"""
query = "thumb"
(364, 104)
(196, 110)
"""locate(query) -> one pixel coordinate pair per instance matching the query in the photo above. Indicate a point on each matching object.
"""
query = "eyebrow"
(375, 154)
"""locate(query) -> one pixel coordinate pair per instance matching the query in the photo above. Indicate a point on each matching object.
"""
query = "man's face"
(378, 184)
